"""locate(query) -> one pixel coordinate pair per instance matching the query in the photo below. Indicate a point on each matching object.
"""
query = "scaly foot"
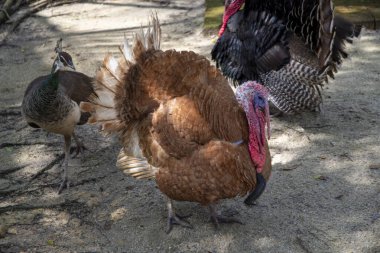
(218, 218)
(80, 148)
(64, 184)
(174, 219)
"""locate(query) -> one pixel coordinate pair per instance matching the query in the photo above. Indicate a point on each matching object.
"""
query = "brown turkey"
(180, 123)
(305, 32)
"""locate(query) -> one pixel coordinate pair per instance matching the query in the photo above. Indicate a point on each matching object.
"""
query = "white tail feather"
(98, 112)
(105, 98)
(127, 50)
(112, 64)
(135, 167)
(111, 75)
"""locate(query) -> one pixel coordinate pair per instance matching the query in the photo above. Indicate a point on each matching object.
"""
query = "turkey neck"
(230, 10)
(256, 144)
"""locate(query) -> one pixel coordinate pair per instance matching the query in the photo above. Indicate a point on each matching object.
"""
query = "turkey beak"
(255, 194)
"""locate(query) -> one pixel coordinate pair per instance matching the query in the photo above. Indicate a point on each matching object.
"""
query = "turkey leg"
(218, 218)
(175, 219)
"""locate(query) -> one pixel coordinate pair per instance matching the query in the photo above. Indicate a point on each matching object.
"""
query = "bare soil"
(323, 196)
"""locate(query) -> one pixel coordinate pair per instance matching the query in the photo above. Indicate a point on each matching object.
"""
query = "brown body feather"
(178, 119)
(186, 117)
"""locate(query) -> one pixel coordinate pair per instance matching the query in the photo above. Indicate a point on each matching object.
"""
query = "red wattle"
(256, 143)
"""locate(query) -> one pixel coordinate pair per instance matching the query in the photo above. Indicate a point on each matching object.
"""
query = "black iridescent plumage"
(315, 38)
(251, 45)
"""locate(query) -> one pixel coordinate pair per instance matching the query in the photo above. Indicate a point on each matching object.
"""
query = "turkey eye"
(259, 98)
(258, 101)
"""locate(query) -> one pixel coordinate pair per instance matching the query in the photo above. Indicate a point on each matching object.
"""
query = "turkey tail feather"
(326, 32)
(110, 77)
(254, 46)
(137, 167)
(345, 32)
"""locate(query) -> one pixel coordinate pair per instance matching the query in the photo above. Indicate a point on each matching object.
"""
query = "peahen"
(51, 102)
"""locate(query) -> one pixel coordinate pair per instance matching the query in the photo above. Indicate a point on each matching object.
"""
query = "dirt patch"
(323, 196)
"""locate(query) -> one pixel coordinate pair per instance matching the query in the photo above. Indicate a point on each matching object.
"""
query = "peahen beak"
(70, 64)
(260, 187)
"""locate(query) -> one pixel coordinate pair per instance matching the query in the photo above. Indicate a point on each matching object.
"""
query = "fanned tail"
(345, 33)
(111, 76)
(326, 33)
(106, 105)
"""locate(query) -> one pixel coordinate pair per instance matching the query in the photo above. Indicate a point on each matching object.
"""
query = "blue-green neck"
(52, 82)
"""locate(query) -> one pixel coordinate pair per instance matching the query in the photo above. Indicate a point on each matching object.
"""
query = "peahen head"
(253, 97)
(230, 8)
(63, 61)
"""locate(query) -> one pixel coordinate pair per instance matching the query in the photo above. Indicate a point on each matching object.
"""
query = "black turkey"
(312, 46)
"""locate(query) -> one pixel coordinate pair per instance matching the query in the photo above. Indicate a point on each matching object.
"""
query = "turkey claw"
(64, 184)
(217, 219)
(178, 220)
(79, 149)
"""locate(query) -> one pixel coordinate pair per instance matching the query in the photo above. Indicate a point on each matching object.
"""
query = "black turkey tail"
(258, 46)
(311, 20)
(345, 32)
(278, 8)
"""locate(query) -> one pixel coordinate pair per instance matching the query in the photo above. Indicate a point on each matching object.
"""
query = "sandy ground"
(323, 196)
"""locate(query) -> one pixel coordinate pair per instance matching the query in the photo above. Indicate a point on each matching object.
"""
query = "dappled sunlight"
(118, 214)
(54, 219)
(219, 243)
(265, 243)
(51, 196)
(283, 159)
(322, 195)
(38, 156)
(357, 178)
(372, 49)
